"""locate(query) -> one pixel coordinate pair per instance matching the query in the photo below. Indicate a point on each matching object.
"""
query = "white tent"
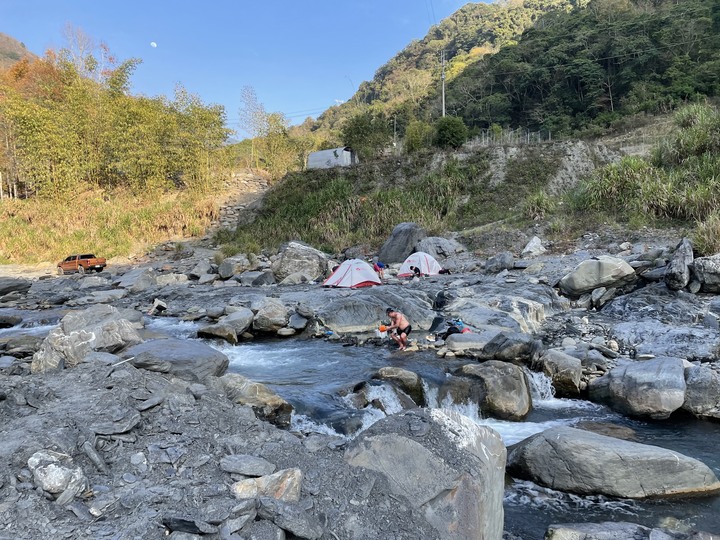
(353, 273)
(424, 261)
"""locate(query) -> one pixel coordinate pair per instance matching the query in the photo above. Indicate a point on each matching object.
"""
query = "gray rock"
(453, 472)
(187, 360)
(439, 247)
(296, 257)
(498, 263)
(247, 465)
(231, 266)
(401, 242)
(702, 395)
(266, 404)
(506, 389)
(14, 285)
(602, 271)
(677, 273)
(653, 388)
(707, 271)
(578, 461)
(565, 372)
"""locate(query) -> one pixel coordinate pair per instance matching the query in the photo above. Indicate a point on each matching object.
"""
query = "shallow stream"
(314, 375)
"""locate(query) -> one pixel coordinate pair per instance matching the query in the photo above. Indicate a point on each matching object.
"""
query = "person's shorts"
(406, 330)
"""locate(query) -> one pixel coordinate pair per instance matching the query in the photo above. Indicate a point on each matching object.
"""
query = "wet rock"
(185, 359)
(578, 461)
(265, 403)
(653, 388)
(506, 391)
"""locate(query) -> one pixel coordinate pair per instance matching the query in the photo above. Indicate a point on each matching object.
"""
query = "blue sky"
(301, 57)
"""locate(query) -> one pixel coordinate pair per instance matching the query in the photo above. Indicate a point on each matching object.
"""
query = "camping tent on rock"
(353, 274)
(424, 261)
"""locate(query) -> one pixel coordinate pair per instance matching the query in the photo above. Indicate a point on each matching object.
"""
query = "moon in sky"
(153, 44)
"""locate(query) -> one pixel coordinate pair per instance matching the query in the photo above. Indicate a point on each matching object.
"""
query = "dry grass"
(104, 223)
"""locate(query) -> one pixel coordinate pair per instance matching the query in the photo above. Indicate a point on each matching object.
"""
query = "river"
(314, 375)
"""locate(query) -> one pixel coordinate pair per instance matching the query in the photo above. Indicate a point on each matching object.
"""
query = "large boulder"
(702, 395)
(401, 243)
(8, 285)
(602, 271)
(506, 389)
(296, 257)
(188, 360)
(272, 316)
(619, 531)
(229, 327)
(442, 464)
(564, 370)
(653, 388)
(439, 247)
(100, 328)
(586, 463)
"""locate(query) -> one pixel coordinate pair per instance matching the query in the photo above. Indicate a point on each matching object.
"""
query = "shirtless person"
(401, 327)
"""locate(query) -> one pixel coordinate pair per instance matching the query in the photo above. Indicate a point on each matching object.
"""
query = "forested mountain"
(557, 65)
(11, 50)
(406, 85)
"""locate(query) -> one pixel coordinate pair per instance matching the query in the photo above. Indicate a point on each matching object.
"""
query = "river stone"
(296, 257)
(138, 280)
(444, 464)
(677, 272)
(498, 263)
(97, 328)
(246, 465)
(8, 321)
(231, 266)
(533, 248)
(283, 485)
(409, 382)
(507, 393)
(702, 396)
(602, 271)
(578, 461)
(290, 517)
(565, 372)
(617, 531)
(271, 317)
(707, 271)
(14, 285)
(439, 247)
(400, 244)
(653, 388)
(188, 360)
(266, 404)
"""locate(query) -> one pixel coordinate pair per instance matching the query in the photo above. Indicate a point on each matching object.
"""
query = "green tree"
(368, 133)
(418, 136)
(450, 132)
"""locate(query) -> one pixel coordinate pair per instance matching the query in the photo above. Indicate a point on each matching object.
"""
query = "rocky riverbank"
(110, 430)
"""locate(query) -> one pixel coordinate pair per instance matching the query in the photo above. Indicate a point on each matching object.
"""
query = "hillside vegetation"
(338, 208)
(148, 169)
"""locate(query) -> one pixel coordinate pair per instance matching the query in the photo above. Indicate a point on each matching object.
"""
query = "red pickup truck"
(81, 264)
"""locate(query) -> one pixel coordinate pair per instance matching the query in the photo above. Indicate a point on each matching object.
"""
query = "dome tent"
(353, 273)
(424, 261)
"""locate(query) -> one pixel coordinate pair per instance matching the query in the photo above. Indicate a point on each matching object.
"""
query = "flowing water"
(314, 376)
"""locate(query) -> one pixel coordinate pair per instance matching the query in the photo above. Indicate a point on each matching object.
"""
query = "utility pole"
(442, 77)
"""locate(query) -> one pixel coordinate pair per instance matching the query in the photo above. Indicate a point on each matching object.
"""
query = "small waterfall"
(386, 395)
(541, 386)
(431, 395)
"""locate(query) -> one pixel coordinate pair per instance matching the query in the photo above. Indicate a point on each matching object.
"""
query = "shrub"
(538, 205)
(706, 237)
(418, 136)
(450, 132)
